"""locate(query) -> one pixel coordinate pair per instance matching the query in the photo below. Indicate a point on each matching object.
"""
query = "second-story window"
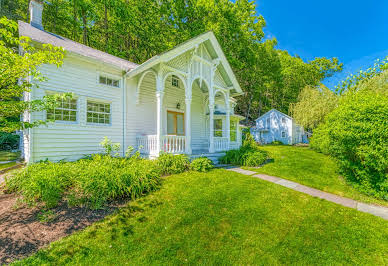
(175, 81)
(268, 122)
(283, 120)
(109, 81)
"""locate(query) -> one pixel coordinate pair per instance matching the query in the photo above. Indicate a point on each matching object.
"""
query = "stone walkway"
(363, 207)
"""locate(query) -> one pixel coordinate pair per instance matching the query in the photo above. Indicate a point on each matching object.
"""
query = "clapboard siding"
(68, 140)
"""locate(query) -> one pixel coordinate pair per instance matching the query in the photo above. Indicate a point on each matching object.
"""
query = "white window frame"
(174, 81)
(108, 76)
(77, 110)
(91, 100)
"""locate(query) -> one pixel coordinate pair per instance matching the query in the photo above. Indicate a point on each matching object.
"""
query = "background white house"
(180, 101)
(277, 126)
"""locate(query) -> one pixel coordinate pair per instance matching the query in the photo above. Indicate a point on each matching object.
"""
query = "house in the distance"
(276, 126)
(180, 101)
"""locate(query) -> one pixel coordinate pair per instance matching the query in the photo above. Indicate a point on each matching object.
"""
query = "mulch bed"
(21, 232)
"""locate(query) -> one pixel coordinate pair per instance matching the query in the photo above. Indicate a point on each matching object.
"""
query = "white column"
(228, 125)
(211, 127)
(159, 106)
(188, 149)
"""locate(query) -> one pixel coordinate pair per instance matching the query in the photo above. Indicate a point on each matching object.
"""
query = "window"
(109, 81)
(65, 110)
(175, 81)
(283, 120)
(98, 113)
(217, 127)
(283, 134)
(233, 130)
(175, 123)
(268, 123)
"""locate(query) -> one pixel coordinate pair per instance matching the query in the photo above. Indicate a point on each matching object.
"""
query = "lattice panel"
(205, 53)
(180, 62)
(218, 80)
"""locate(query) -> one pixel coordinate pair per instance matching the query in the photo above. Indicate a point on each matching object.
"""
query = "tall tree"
(15, 72)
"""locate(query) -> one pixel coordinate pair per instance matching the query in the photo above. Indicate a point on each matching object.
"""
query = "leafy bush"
(202, 164)
(90, 182)
(249, 154)
(8, 141)
(357, 136)
(277, 142)
(320, 140)
(172, 164)
(254, 158)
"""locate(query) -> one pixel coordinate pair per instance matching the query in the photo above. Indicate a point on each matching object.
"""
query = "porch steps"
(212, 156)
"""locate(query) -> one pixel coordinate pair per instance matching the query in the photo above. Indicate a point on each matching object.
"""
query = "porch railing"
(220, 144)
(174, 144)
(148, 143)
(170, 144)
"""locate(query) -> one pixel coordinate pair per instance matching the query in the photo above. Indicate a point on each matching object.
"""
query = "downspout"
(124, 111)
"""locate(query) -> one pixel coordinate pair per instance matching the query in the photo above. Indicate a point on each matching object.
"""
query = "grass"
(223, 217)
(9, 156)
(310, 168)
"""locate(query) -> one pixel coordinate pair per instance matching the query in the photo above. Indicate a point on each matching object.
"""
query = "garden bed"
(22, 232)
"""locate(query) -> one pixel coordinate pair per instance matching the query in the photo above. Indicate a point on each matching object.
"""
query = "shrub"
(254, 158)
(8, 141)
(277, 142)
(249, 154)
(91, 182)
(358, 138)
(320, 140)
(202, 164)
(172, 164)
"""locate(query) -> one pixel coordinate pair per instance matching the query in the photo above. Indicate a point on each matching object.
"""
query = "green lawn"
(223, 217)
(9, 156)
(310, 168)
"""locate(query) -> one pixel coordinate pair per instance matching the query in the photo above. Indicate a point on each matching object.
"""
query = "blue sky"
(354, 31)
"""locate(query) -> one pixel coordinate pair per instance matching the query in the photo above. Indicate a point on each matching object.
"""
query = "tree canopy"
(137, 30)
(16, 71)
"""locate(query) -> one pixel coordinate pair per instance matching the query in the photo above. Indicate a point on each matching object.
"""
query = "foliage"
(314, 103)
(16, 72)
(172, 164)
(137, 30)
(9, 156)
(91, 182)
(9, 141)
(308, 167)
(249, 154)
(201, 164)
(276, 142)
(170, 225)
(353, 82)
(320, 140)
(109, 147)
(358, 135)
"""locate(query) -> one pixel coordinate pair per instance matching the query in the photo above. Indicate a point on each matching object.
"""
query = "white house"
(180, 101)
(276, 126)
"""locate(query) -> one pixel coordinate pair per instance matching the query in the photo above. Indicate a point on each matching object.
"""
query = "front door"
(175, 123)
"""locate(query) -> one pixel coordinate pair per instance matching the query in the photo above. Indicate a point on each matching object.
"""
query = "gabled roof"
(41, 36)
(186, 46)
(274, 110)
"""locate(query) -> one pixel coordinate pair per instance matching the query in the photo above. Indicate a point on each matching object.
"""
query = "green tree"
(314, 104)
(16, 73)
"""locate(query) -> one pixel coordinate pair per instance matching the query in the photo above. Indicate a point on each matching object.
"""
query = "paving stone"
(372, 209)
(241, 171)
(287, 183)
(327, 196)
(267, 177)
